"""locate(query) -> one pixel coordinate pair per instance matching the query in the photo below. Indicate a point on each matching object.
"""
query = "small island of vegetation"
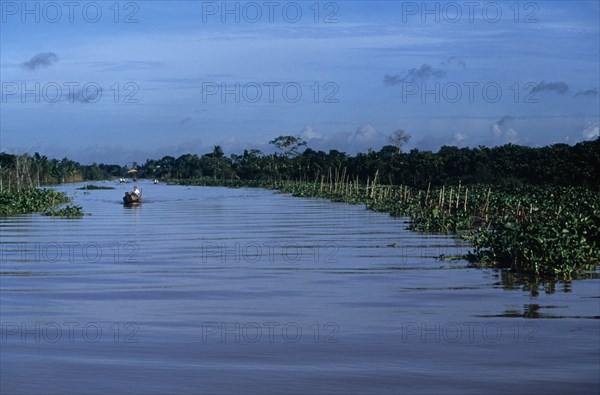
(92, 187)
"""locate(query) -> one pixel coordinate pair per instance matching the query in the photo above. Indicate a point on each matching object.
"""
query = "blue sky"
(176, 77)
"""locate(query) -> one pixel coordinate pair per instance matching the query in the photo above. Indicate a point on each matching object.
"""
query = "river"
(220, 291)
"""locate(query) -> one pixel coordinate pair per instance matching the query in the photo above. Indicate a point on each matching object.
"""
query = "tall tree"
(399, 139)
(288, 145)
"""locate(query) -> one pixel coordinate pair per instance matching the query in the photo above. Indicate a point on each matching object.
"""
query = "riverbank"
(539, 231)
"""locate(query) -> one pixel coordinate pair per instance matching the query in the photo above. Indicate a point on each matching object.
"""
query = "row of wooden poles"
(339, 183)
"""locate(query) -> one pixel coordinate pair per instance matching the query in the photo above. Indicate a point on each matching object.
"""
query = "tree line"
(507, 165)
(558, 164)
(23, 172)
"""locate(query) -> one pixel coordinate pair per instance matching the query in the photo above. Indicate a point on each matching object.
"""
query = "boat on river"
(131, 199)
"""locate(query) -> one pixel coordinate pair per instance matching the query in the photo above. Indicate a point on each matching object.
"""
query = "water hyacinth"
(29, 201)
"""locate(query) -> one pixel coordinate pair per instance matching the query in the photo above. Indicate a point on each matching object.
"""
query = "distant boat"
(156, 181)
(131, 199)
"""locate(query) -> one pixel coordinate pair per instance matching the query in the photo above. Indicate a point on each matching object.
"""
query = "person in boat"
(136, 191)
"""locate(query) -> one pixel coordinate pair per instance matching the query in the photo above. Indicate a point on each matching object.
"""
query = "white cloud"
(460, 138)
(503, 133)
(363, 134)
(308, 133)
(591, 131)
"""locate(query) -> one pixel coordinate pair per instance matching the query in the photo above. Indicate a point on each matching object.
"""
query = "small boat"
(156, 181)
(131, 199)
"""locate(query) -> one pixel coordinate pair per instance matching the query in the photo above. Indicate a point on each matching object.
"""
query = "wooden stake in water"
(458, 195)
(374, 184)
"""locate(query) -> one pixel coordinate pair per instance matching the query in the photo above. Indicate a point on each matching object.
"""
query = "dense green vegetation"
(509, 165)
(21, 176)
(29, 201)
(18, 172)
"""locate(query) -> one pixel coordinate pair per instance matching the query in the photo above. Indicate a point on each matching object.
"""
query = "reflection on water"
(537, 311)
(515, 281)
(213, 290)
